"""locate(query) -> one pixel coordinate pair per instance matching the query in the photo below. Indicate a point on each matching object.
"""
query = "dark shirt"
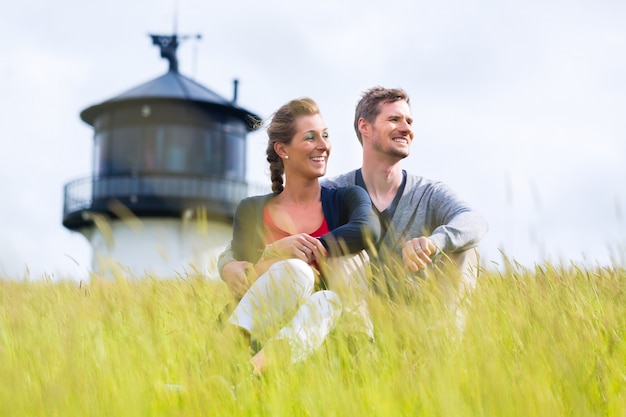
(386, 215)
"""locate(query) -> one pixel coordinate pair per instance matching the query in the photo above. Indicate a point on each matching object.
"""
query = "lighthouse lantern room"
(169, 168)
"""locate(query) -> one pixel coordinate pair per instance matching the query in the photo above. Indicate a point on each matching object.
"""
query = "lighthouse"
(168, 170)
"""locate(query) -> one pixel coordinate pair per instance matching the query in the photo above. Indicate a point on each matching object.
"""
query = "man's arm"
(443, 223)
(454, 225)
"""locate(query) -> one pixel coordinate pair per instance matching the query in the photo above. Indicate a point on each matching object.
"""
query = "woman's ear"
(280, 149)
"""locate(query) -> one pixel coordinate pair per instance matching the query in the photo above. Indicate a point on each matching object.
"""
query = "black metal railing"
(83, 193)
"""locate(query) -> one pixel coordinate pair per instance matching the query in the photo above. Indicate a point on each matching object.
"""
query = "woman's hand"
(300, 246)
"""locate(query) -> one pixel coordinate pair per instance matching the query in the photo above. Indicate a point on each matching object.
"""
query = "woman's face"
(309, 148)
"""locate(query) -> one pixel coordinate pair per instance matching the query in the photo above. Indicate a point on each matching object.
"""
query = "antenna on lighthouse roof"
(176, 2)
(169, 43)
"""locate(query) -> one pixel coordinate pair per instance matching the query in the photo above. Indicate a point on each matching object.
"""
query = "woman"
(284, 239)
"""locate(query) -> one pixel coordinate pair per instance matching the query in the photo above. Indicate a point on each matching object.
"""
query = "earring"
(286, 156)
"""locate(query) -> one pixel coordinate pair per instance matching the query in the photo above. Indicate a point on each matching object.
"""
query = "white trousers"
(282, 304)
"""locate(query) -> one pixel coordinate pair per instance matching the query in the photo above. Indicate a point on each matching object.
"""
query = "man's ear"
(364, 126)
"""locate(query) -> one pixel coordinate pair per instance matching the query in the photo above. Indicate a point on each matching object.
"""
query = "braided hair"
(281, 129)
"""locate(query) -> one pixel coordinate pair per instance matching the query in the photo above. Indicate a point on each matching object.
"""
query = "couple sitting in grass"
(309, 252)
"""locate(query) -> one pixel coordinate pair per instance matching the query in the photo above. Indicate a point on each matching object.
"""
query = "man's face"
(392, 130)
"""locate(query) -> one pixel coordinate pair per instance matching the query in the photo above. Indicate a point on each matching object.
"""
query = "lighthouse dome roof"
(173, 86)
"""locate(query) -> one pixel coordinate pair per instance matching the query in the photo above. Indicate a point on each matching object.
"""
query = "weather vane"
(168, 45)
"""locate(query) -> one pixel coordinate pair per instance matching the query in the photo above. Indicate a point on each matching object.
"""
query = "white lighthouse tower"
(169, 168)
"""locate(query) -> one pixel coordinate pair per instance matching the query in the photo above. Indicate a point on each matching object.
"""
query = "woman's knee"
(293, 270)
(349, 275)
(329, 301)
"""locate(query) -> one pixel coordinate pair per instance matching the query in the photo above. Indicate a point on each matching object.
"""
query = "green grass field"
(549, 341)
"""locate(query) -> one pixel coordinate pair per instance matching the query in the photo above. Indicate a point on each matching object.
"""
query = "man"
(425, 226)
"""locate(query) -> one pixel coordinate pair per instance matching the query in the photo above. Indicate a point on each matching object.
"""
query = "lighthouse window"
(153, 147)
(183, 149)
(125, 150)
(176, 154)
(195, 151)
(235, 156)
(171, 148)
(100, 154)
(213, 154)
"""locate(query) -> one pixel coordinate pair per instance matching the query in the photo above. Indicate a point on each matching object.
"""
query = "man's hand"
(417, 253)
(234, 275)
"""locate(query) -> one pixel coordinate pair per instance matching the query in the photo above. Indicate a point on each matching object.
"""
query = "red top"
(274, 233)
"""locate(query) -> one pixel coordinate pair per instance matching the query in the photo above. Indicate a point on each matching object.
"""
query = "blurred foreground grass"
(543, 342)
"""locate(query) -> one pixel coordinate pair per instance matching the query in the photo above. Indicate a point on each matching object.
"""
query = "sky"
(519, 106)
